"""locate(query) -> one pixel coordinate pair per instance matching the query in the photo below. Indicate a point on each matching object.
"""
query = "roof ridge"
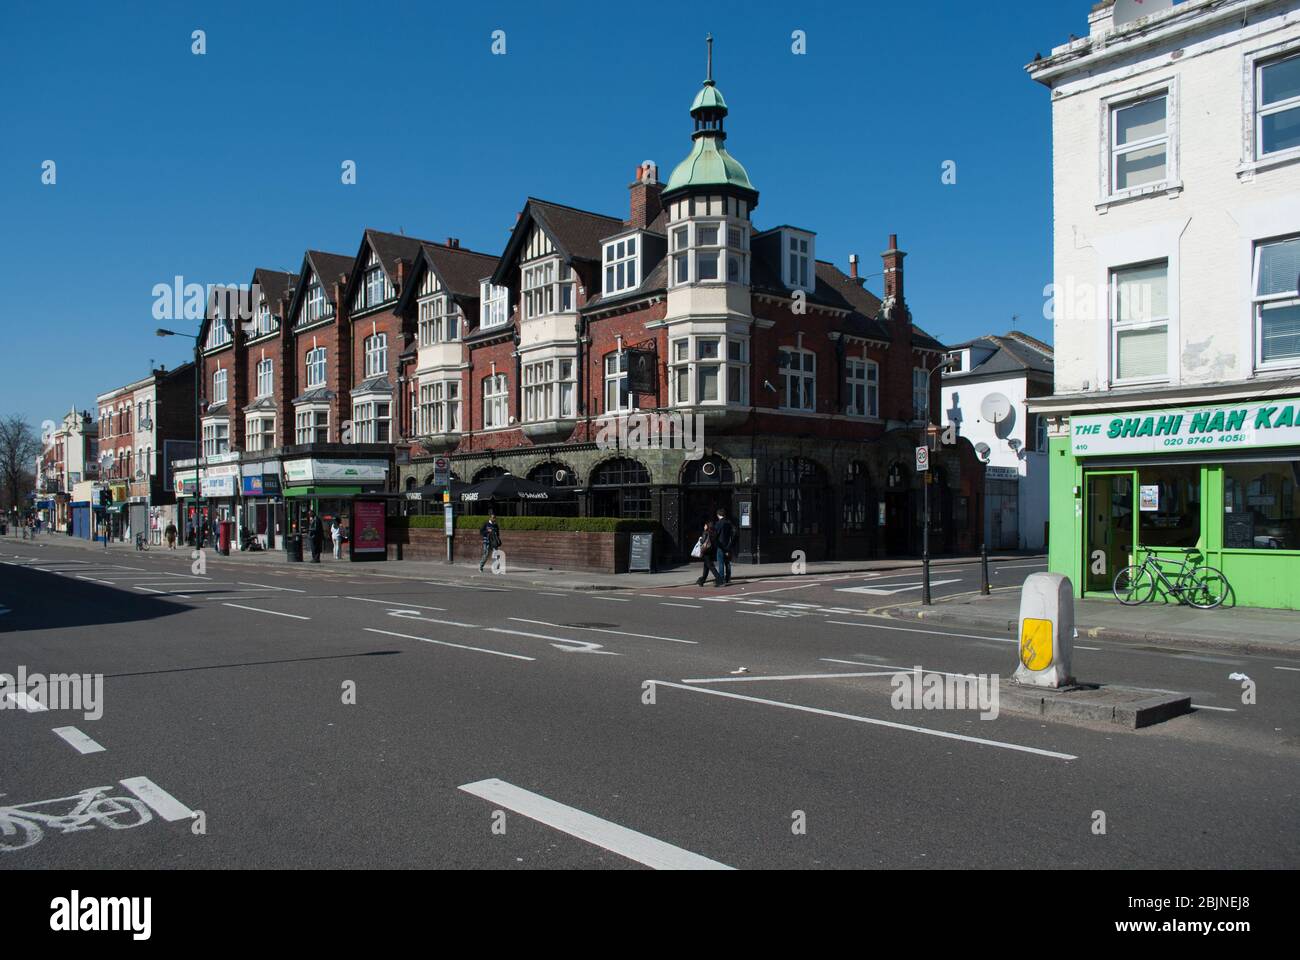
(565, 206)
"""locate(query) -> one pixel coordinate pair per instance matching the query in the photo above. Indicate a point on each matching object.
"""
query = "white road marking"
(937, 633)
(890, 591)
(274, 613)
(793, 676)
(576, 823)
(614, 599)
(162, 802)
(1296, 669)
(412, 615)
(688, 606)
(394, 605)
(870, 720)
(267, 586)
(852, 663)
(79, 741)
(24, 702)
(448, 643)
(1201, 706)
(619, 633)
(563, 643)
(546, 594)
(150, 589)
(1081, 647)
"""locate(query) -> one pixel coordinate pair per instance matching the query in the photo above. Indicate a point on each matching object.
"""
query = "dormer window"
(797, 264)
(622, 264)
(547, 289)
(220, 332)
(263, 320)
(315, 306)
(493, 304)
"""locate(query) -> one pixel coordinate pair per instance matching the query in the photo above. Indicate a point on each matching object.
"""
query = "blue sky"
(207, 166)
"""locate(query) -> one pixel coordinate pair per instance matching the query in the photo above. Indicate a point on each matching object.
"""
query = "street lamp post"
(925, 484)
(198, 430)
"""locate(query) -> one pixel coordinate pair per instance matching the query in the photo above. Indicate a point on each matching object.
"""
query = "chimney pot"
(853, 265)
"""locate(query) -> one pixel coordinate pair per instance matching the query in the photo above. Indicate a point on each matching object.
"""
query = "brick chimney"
(893, 260)
(399, 274)
(645, 190)
(453, 242)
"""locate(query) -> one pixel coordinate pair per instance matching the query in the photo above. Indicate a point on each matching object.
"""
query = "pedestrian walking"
(170, 533)
(315, 535)
(704, 550)
(491, 534)
(336, 534)
(725, 536)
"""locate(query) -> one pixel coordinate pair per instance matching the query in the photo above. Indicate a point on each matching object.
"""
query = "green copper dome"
(709, 97)
(709, 165)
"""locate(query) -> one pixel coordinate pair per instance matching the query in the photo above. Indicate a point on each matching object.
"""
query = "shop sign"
(327, 471)
(184, 486)
(1272, 423)
(218, 486)
(1001, 473)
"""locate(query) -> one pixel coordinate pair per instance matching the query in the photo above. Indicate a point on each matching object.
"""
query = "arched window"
(621, 488)
(859, 499)
(796, 491)
(487, 473)
(552, 473)
(410, 483)
(710, 471)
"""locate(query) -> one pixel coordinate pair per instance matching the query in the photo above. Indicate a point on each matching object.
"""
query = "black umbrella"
(506, 487)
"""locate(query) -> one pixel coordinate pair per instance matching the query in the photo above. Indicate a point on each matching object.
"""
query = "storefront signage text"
(1271, 424)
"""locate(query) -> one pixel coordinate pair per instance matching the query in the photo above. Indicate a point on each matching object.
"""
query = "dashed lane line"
(448, 643)
(78, 740)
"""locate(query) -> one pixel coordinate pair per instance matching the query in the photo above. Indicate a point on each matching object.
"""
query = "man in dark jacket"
(491, 534)
(724, 535)
(316, 535)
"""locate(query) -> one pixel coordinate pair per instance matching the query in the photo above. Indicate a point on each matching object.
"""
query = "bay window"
(216, 437)
(549, 390)
(1277, 302)
(798, 373)
(1139, 310)
(709, 251)
(372, 421)
(439, 407)
(547, 289)
(439, 321)
(312, 425)
(701, 374)
(261, 432)
(496, 402)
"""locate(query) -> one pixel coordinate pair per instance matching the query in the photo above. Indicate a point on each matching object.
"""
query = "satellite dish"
(997, 410)
(984, 451)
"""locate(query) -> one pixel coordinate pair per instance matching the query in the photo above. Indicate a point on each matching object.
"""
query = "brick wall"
(543, 549)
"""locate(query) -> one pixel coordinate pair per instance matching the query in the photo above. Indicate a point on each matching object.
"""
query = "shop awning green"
(321, 491)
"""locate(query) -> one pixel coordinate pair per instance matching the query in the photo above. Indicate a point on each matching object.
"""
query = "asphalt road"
(497, 726)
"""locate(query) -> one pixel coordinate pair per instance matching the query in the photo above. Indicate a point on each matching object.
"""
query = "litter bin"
(293, 547)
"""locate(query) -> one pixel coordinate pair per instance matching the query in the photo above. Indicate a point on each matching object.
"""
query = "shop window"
(1169, 506)
(1260, 508)
(859, 512)
(621, 488)
(796, 491)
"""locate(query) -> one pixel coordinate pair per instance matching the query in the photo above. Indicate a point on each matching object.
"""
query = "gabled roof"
(577, 234)
(327, 267)
(459, 269)
(1013, 354)
(273, 284)
(867, 306)
(389, 248)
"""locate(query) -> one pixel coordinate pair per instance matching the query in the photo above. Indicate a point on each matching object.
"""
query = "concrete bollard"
(1046, 631)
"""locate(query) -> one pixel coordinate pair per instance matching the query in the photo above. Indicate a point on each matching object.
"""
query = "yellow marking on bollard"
(1036, 643)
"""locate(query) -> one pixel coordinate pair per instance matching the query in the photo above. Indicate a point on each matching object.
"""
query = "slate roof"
(1013, 354)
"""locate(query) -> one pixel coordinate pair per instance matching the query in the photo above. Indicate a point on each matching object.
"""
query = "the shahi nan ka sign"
(1272, 423)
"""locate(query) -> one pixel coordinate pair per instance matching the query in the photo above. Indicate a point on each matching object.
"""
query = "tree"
(19, 447)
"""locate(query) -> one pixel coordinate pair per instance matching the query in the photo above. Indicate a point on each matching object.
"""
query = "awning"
(321, 491)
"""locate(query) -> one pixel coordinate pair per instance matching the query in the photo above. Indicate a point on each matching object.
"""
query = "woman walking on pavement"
(336, 534)
(704, 549)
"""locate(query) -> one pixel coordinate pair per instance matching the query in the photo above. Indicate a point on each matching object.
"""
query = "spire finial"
(709, 76)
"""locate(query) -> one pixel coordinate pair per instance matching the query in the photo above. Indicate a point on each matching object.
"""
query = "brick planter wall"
(547, 549)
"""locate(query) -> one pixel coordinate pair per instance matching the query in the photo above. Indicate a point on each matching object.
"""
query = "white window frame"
(622, 264)
(614, 367)
(439, 407)
(861, 375)
(494, 305)
(1259, 302)
(789, 375)
(687, 250)
(920, 394)
(372, 420)
(1108, 155)
(216, 437)
(260, 438)
(265, 377)
(550, 389)
(310, 422)
(219, 386)
(1254, 157)
(317, 367)
(1118, 326)
(496, 402)
(547, 288)
(439, 320)
(376, 355)
(799, 260)
(687, 362)
(315, 306)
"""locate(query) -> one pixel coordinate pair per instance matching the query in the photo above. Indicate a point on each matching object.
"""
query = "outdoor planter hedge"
(560, 524)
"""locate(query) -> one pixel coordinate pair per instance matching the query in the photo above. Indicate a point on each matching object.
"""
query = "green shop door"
(1109, 539)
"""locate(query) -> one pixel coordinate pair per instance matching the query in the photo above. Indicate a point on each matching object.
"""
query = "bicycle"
(1200, 586)
(141, 541)
(94, 807)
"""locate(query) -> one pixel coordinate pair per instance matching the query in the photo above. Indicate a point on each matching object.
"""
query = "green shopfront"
(1219, 479)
